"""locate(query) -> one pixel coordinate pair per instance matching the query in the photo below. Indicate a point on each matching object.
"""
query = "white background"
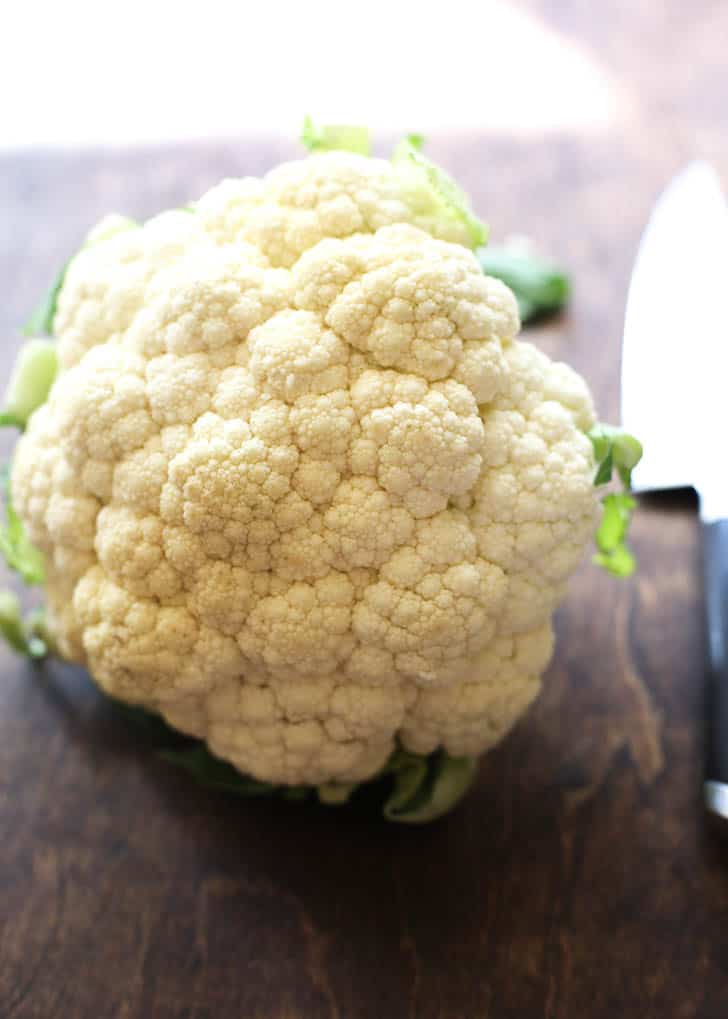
(76, 72)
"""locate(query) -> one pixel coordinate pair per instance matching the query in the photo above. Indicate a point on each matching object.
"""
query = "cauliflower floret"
(301, 203)
(425, 440)
(105, 285)
(533, 510)
(406, 312)
(298, 486)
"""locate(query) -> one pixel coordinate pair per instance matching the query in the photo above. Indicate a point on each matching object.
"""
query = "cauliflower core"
(298, 487)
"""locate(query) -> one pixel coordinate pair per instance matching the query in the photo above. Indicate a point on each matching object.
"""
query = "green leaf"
(295, 793)
(150, 722)
(620, 562)
(213, 773)
(35, 370)
(40, 322)
(341, 137)
(11, 624)
(446, 782)
(540, 287)
(604, 469)
(335, 794)
(527, 310)
(20, 553)
(417, 789)
(410, 774)
(40, 638)
(601, 441)
(433, 191)
(627, 454)
(19, 635)
(417, 141)
(614, 449)
(409, 789)
(8, 420)
(614, 554)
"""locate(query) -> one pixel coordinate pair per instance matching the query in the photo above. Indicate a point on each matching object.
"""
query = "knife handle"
(715, 572)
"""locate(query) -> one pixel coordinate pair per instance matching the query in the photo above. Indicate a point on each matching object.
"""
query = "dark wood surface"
(577, 880)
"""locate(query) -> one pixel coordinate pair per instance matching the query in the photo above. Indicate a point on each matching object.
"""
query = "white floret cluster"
(298, 486)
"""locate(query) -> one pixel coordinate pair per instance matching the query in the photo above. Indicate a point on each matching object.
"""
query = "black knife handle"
(715, 567)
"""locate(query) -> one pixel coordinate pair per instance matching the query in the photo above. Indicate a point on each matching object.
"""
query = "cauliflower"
(297, 486)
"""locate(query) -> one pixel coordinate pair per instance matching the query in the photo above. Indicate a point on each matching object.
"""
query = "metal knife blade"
(675, 351)
(674, 365)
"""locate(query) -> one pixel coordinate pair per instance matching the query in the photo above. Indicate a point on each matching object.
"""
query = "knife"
(674, 372)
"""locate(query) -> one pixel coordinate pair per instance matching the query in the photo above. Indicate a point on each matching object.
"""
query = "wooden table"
(577, 880)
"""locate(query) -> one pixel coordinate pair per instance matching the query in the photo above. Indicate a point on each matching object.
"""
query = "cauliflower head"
(297, 485)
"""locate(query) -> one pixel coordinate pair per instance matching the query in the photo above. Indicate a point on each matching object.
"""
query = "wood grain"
(577, 880)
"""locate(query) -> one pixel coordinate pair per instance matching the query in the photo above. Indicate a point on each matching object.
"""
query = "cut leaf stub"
(435, 188)
(35, 370)
(335, 137)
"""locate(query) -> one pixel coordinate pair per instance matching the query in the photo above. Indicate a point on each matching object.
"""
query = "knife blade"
(673, 357)
(674, 363)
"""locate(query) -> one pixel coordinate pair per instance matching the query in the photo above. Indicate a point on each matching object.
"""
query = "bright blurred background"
(89, 73)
